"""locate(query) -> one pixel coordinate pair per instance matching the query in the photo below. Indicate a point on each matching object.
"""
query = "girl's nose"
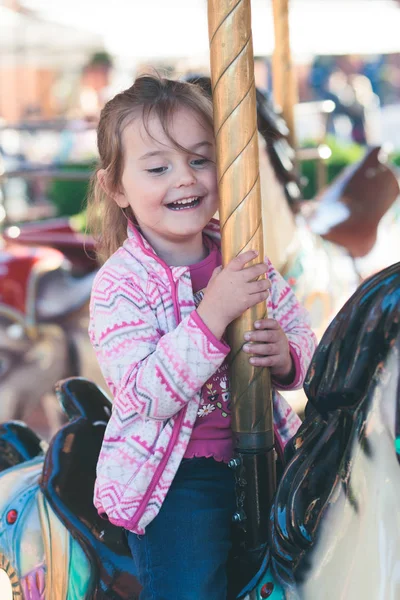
(185, 176)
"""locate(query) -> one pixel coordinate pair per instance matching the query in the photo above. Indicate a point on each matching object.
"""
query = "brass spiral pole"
(235, 125)
(283, 75)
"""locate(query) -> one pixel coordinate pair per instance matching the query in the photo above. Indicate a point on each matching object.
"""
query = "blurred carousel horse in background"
(324, 248)
(43, 332)
(334, 525)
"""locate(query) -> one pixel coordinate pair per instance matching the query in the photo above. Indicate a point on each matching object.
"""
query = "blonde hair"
(148, 96)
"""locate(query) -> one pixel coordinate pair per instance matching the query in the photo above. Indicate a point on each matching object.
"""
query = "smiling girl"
(159, 309)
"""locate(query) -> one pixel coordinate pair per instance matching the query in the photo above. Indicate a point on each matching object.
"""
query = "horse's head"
(339, 491)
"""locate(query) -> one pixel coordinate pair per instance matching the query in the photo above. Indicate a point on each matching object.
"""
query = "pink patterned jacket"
(156, 354)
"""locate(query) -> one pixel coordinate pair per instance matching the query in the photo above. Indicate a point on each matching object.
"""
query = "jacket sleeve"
(295, 322)
(149, 372)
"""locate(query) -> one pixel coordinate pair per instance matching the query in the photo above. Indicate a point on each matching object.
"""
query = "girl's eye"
(157, 170)
(199, 162)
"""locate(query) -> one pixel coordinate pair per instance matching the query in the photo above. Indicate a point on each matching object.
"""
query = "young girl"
(159, 309)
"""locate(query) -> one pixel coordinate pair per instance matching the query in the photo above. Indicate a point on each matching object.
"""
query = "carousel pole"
(235, 125)
(283, 76)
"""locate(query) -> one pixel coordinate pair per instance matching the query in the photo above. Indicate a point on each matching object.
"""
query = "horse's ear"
(81, 397)
(18, 444)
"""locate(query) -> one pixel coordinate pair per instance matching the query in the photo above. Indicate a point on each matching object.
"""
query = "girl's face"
(173, 194)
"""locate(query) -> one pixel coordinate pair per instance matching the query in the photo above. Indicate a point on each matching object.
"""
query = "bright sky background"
(144, 29)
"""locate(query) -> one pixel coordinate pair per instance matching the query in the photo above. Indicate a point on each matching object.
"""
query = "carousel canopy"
(172, 29)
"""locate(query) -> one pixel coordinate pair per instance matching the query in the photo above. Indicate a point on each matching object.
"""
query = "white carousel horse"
(358, 551)
(335, 523)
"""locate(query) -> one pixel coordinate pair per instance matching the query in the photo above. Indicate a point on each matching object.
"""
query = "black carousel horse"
(353, 413)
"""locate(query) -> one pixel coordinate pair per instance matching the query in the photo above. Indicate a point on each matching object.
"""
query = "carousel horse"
(43, 331)
(53, 544)
(338, 491)
(61, 233)
(334, 525)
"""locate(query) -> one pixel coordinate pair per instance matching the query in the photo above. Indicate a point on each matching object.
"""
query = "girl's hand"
(231, 291)
(270, 348)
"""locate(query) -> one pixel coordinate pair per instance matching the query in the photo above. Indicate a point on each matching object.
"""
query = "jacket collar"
(137, 245)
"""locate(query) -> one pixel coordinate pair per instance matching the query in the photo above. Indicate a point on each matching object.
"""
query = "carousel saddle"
(349, 211)
(69, 475)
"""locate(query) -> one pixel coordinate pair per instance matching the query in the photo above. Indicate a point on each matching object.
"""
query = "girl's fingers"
(255, 271)
(261, 285)
(267, 324)
(216, 272)
(254, 299)
(264, 361)
(263, 336)
(238, 263)
(262, 349)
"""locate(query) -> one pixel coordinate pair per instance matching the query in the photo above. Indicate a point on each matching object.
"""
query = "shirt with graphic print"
(211, 435)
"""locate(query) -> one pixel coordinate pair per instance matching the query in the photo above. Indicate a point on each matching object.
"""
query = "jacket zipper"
(175, 431)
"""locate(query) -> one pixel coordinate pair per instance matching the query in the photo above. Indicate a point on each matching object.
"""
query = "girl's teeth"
(185, 203)
(186, 200)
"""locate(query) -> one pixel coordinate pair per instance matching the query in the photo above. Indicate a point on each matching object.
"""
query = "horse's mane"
(346, 369)
(355, 343)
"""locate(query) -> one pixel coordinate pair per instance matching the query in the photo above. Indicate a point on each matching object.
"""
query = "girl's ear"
(118, 197)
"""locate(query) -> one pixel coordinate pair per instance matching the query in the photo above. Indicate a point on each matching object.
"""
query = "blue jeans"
(183, 554)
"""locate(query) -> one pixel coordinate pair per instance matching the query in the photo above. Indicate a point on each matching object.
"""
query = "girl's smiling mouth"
(185, 203)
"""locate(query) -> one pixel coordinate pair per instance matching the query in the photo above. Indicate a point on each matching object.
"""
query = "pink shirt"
(211, 435)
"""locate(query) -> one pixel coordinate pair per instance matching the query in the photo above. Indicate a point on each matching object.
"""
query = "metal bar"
(235, 124)
(283, 76)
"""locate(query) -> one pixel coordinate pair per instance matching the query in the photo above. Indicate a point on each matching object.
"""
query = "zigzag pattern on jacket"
(156, 354)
